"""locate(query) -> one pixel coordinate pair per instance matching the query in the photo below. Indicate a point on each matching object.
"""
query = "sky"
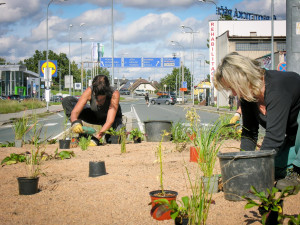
(142, 28)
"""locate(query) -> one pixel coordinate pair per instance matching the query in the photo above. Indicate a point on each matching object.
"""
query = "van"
(140, 92)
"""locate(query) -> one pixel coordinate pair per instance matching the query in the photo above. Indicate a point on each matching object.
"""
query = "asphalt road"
(53, 124)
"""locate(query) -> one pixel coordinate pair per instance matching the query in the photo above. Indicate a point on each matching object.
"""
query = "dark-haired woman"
(104, 108)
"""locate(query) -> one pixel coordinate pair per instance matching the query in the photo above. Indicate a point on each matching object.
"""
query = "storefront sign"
(241, 15)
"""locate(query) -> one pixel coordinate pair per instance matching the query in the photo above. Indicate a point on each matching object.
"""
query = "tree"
(170, 79)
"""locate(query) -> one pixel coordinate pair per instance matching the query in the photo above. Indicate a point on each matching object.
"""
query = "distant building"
(16, 79)
(142, 84)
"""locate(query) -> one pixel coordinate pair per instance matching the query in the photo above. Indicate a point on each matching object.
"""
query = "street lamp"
(82, 24)
(192, 33)
(212, 86)
(203, 64)
(70, 93)
(182, 66)
(81, 66)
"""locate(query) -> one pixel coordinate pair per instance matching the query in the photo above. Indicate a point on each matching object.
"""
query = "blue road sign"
(152, 62)
(132, 62)
(107, 62)
(171, 62)
(184, 84)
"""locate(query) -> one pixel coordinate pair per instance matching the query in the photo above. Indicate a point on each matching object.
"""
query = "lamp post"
(192, 32)
(112, 45)
(182, 66)
(81, 66)
(212, 87)
(70, 93)
(203, 64)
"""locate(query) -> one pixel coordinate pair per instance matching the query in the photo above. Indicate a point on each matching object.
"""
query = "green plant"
(84, 142)
(293, 220)
(135, 134)
(123, 135)
(7, 144)
(229, 131)
(63, 154)
(13, 159)
(179, 133)
(52, 141)
(207, 143)
(33, 162)
(272, 202)
(20, 127)
(180, 211)
(112, 132)
(160, 160)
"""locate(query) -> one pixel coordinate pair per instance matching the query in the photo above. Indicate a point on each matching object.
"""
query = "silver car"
(163, 99)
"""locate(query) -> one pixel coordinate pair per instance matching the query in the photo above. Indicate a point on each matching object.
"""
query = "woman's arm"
(85, 97)
(111, 114)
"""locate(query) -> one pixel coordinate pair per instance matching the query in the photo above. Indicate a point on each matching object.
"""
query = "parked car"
(124, 92)
(140, 92)
(163, 99)
(162, 93)
(14, 97)
(2, 98)
(56, 98)
(26, 97)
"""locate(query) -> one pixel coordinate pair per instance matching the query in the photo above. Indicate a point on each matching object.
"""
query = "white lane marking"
(60, 115)
(140, 124)
(50, 124)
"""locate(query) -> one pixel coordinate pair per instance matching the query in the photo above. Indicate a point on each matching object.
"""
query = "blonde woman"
(271, 99)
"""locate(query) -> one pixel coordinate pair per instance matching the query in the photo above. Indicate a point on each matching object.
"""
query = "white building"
(249, 38)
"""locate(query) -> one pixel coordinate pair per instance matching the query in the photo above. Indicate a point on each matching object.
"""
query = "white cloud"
(14, 10)
(149, 28)
(160, 4)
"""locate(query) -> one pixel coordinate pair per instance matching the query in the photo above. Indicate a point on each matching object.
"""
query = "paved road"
(134, 109)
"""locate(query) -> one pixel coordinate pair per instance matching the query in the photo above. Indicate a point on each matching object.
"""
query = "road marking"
(50, 124)
(60, 115)
(140, 124)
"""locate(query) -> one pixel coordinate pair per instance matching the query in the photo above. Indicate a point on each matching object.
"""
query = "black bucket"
(64, 144)
(154, 130)
(240, 170)
(97, 168)
(27, 185)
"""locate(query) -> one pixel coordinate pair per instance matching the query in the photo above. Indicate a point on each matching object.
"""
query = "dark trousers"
(88, 116)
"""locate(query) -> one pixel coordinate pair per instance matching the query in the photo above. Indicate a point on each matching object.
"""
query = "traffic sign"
(171, 62)
(152, 62)
(183, 89)
(107, 62)
(132, 62)
(281, 66)
(51, 64)
(184, 84)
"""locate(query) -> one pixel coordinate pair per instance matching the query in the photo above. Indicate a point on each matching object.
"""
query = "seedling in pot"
(178, 212)
(271, 205)
(84, 142)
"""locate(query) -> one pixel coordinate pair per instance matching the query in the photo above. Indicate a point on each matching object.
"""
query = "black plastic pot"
(28, 185)
(97, 168)
(115, 139)
(64, 144)
(154, 130)
(240, 170)
(181, 221)
(137, 140)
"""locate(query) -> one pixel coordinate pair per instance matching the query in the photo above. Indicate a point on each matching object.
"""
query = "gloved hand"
(235, 118)
(76, 126)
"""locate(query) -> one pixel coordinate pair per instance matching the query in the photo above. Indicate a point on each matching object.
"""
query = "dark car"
(56, 98)
(14, 97)
(26, 97)
(163, 99)
(124, 92)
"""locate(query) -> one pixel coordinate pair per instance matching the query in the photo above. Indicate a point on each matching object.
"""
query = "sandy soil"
(68, 196)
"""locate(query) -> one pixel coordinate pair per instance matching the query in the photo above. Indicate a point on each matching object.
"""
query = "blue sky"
(142, 28)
